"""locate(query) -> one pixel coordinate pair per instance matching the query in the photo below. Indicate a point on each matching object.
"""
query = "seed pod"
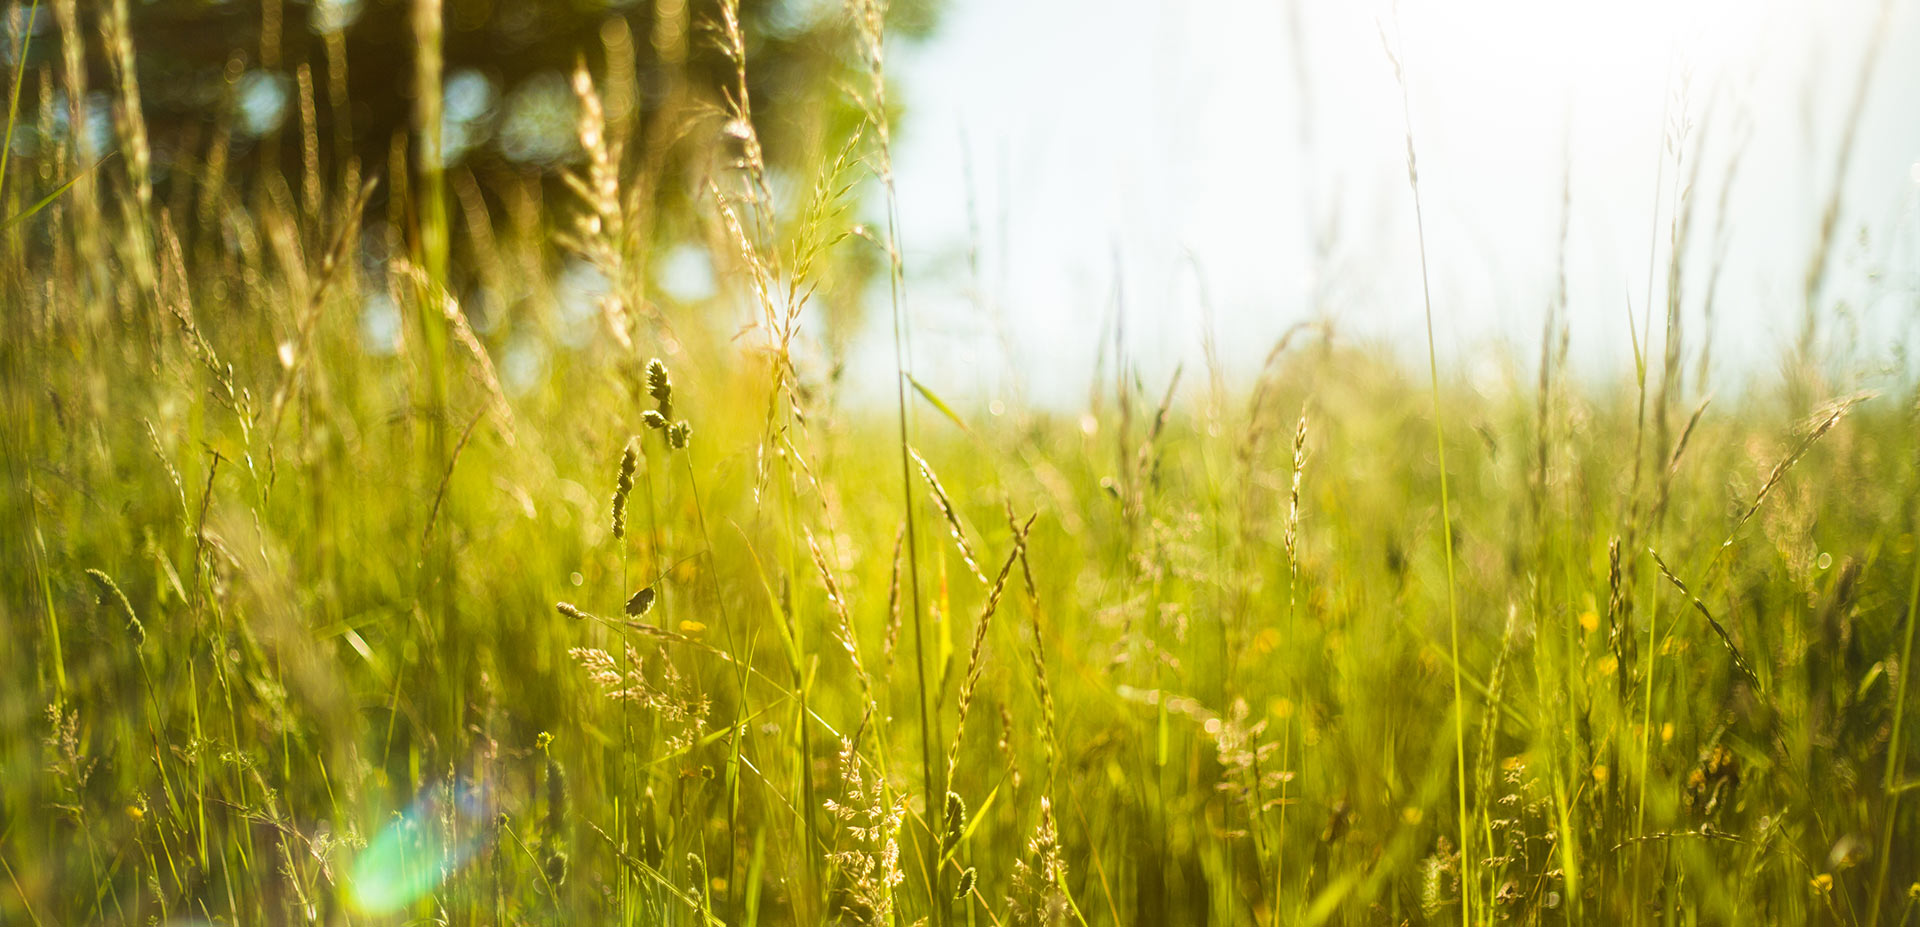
(567, 609)
(653, 419)
(967, 880)
(679, 435)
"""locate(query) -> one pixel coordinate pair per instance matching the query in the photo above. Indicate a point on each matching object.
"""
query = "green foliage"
(312, 619)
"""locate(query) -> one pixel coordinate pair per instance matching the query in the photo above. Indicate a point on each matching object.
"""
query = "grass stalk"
(1888, 781)
(1467, 879)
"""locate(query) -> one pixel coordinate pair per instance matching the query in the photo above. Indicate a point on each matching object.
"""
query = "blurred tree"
(225, 75)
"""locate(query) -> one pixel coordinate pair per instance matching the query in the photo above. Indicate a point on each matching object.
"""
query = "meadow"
(332, 599)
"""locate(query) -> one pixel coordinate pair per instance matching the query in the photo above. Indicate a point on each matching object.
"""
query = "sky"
(1239, 166)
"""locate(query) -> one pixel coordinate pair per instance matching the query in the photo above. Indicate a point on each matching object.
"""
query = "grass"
(544, 606)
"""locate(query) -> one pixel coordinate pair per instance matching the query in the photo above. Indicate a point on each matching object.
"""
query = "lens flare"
(446, 825)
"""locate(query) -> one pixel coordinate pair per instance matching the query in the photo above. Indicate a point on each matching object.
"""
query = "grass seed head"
(111, 590)
(950, 514)
(641, 602)
(622, 488)
(956, 815)
(659, 386)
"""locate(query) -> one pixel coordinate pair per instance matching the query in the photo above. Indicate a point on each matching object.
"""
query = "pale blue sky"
(1138, 140)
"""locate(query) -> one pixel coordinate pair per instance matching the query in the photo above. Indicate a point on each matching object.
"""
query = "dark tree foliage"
(225, 71)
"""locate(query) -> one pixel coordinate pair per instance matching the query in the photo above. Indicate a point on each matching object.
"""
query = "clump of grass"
(313, 670)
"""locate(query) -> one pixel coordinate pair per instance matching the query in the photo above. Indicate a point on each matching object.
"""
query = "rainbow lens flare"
(423, 846)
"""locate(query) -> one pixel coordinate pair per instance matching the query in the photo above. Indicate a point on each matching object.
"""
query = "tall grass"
(381, 572)
(1469, 878)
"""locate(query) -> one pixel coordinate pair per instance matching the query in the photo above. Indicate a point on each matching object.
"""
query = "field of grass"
(633, 616)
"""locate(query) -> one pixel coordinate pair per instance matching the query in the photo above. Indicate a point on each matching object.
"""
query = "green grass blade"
(45, 201)
(13, 97)
(939, 404)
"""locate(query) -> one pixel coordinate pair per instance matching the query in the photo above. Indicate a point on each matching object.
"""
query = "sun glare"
(1515, 69)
